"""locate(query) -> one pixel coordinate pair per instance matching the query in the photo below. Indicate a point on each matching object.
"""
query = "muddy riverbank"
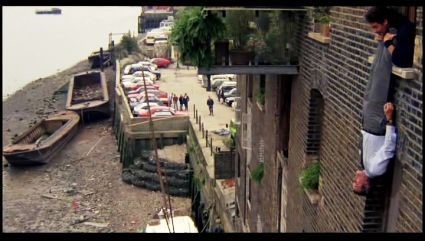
(81, 189)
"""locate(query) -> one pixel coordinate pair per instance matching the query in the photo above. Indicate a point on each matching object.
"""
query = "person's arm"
(401, 46)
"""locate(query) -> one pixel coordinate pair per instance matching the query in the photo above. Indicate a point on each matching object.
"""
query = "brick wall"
(339, 71)
(343, 70)
(241, 182)
(264, 195)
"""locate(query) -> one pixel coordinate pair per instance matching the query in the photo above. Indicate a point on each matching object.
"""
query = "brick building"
(314, 116)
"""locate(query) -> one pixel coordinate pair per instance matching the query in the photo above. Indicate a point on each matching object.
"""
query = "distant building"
(151, 16)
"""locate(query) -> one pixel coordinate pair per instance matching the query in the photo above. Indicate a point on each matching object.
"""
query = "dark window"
(409, 12)
(314, 123)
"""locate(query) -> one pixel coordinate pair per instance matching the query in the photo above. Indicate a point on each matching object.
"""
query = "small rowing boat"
(42, 141)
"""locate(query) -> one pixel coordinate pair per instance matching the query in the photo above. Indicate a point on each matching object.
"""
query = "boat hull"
(87, 105)
(44, 153)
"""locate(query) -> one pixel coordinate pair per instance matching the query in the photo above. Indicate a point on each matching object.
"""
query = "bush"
(309, 178)
(321, 14)
(128, 45)
(258, 173)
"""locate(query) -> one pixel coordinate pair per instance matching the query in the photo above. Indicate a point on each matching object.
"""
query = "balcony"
(258, 41)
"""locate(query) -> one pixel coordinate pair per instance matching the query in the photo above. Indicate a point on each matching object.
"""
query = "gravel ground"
(81, 189)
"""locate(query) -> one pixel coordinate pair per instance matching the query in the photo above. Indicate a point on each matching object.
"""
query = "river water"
(36, 46)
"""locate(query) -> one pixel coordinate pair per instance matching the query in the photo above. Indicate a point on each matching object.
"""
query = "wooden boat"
(94, 59)
(49, 11)
(88, 93)
(42, 141)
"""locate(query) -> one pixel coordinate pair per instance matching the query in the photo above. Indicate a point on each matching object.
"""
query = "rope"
(158, 168)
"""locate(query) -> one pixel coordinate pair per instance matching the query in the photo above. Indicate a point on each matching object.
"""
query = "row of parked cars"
(133, 85)
(224, 86)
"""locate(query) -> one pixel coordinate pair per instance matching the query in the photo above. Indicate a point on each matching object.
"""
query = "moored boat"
(49, 11)
(41, 142)
(88, 93)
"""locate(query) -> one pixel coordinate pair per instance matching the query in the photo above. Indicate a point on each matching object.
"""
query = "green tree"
(129, 43)
(193, 33)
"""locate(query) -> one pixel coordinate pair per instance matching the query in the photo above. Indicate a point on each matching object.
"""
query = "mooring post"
(101, 59)
(202, 130)
(112, 52)
(206, 138)
(211, 146)
(196, 117)
(194, 111)
(199, 123)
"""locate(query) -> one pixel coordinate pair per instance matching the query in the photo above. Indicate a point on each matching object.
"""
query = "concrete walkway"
(181, 81)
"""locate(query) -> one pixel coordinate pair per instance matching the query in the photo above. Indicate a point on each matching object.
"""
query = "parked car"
(231, 93)
(162, 111)
(158, 93)
(223, 76)
(236, 103)
(132, 86)
(144, 106)
(145, 69)
(134, 79)
(227, 85)
(147, 63)
(139, 73)
(217, 82)
(126, 69)
(229, 100)
(141, 88)
(161, 62)
(151, 97)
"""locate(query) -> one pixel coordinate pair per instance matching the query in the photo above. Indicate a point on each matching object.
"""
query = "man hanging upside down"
(377, 151)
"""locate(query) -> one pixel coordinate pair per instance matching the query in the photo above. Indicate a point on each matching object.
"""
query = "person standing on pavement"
(186, 102)
(210, 104)
(175, 99)
(222, 96)
(181, 102)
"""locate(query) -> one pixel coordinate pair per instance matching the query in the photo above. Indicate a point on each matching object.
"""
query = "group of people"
(181, 101)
